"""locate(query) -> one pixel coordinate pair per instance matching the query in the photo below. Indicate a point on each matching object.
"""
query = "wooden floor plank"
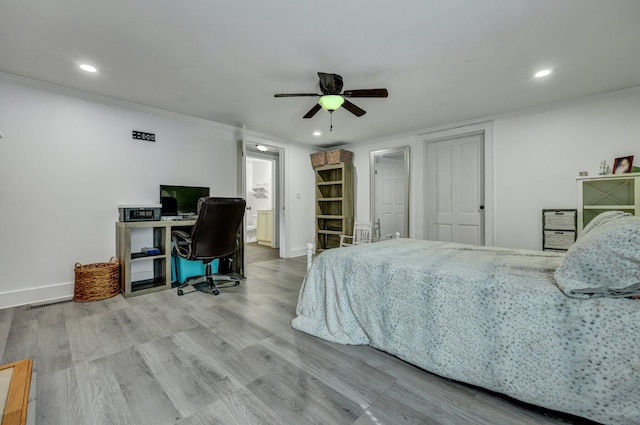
(6, 317)
(353, 379)
(145, 396)
(101, 397)
(299, 398)
(97, 336)
(189, 382)
(54, 350)
(58, 398)
(241, 407)
(256, 253)
(236, 364)
(22, 341)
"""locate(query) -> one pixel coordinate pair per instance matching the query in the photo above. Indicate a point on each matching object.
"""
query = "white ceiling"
(443, 61)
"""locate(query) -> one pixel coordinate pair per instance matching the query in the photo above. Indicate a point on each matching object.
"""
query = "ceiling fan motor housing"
(330, 83)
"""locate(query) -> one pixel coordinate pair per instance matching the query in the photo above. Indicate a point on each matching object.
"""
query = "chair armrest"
(343, 237)
(178, 236)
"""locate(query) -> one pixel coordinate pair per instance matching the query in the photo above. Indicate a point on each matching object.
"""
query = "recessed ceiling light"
(317, 133)
(87, 67)
(543, 73)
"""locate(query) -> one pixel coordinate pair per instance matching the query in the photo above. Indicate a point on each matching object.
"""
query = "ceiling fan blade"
(295, 94)
(366, 93)
(313, 111)
(355, 110)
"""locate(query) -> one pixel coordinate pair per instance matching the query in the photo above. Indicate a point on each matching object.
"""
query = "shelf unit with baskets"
(613, 192)
(558, 229)
(334, 204)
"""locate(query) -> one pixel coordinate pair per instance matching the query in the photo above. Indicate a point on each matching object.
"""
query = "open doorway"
(262, 222)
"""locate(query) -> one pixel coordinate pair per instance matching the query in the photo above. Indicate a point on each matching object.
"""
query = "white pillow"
(601, 219)
(604, 261)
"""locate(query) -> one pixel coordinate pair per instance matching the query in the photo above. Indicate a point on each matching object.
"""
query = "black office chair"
(214, 235)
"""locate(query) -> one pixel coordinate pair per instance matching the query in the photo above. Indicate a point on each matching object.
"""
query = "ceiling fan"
(332, 98)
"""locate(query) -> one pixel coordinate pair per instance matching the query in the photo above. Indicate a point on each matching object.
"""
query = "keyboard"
(179, 217)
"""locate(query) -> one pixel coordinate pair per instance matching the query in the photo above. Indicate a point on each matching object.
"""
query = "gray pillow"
(604, 261)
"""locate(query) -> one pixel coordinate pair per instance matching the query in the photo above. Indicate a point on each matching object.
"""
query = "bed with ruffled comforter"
(554, 330)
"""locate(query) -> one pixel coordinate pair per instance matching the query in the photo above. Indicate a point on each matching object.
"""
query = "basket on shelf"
(96, 281)
(336, 156)
(318, 159)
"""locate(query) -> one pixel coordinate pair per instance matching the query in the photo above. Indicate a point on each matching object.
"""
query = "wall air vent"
(141, 135)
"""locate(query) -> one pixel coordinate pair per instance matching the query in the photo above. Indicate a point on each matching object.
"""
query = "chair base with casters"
(210, 279)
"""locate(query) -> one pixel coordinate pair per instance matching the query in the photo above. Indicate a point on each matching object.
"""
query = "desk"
(161, 262)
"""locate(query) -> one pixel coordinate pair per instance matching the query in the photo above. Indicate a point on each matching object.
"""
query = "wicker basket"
(336, 156)
(318, 159)
(96, 281)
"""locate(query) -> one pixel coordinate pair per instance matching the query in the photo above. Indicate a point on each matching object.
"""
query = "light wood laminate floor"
(255, 253)
(232, 359)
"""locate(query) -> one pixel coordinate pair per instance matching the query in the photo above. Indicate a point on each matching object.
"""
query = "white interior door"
(455, 187)
(390, 196)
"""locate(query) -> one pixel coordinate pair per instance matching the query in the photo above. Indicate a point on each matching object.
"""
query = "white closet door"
(455, 190)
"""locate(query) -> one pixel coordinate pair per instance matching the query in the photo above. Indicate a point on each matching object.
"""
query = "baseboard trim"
(297, 253)
(43, 294)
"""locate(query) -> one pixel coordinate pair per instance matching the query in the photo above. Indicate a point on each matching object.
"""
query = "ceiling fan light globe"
(331, 102)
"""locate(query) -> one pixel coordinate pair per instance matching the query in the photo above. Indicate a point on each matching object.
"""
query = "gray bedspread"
(489, 317)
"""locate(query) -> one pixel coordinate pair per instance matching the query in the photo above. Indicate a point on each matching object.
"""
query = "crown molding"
(521, 112)
(110, 101)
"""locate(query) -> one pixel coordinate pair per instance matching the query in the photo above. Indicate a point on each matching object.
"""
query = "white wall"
(536, 159)
(301, 205)
(539, 156)
(66, 162)
(261, 176)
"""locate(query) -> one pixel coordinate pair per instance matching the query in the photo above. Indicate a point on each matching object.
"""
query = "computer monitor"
(181, 200)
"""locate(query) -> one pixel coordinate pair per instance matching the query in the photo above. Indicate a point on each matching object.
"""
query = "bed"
(554, 330)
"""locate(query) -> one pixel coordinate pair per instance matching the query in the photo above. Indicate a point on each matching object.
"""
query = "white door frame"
(373, 156)
(483, 128)
(279, 213)
(460, 216)
(275, 186)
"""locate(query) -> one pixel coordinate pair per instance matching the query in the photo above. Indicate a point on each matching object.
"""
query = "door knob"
(481, 207)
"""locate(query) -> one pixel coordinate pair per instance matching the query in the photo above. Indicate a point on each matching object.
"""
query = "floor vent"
(34, 306)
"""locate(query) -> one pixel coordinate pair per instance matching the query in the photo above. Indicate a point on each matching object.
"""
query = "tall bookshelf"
(334, 204)
(613, 192)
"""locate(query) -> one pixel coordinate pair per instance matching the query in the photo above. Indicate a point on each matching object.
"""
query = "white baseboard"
(297, 253)
(44, 294)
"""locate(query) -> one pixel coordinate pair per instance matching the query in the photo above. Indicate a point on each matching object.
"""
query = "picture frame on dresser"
(623, 164)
